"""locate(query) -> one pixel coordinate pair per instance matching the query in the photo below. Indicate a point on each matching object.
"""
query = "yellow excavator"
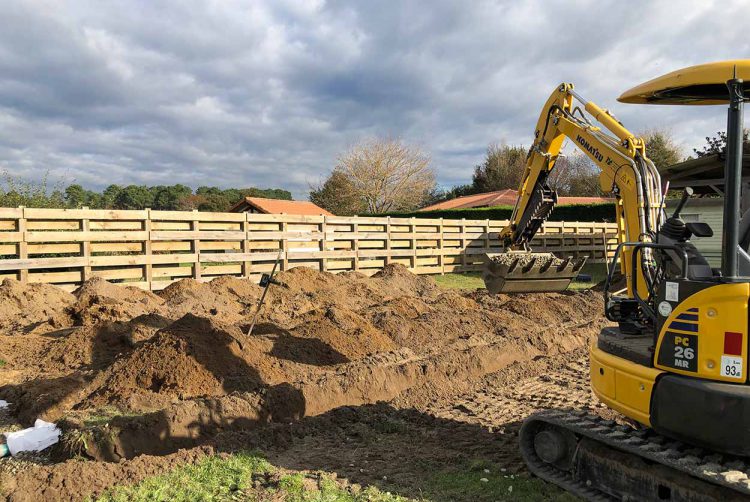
(676, 361)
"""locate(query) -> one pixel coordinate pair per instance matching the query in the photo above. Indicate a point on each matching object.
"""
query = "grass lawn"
(249, 477)
(473, 280)
(483, 481)
(242, 477)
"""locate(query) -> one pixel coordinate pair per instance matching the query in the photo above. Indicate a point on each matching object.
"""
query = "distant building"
(505, 197)
(705, 175)
(277, 206)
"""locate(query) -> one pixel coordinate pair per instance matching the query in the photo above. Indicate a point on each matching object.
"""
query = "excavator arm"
(625, 171)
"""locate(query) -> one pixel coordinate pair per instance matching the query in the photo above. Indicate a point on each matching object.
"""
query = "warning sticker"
(672, 293)
(731, 366)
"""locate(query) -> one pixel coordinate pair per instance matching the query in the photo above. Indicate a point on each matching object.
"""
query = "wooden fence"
(151, 249)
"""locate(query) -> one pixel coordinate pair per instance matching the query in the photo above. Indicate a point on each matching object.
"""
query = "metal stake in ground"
(265, 280)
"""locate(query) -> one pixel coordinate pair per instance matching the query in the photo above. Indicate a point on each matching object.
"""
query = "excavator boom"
(625, 171)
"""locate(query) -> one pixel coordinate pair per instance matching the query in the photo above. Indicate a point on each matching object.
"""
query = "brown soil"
(28, 308)
(176, 369)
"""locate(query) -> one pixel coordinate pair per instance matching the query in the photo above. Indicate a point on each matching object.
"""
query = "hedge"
(573, 212)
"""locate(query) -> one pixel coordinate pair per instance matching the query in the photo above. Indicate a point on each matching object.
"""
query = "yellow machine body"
(703, 84)
(694, 341)
(675, 358)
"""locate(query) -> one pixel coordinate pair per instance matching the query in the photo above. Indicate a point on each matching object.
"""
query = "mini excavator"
(675, 361)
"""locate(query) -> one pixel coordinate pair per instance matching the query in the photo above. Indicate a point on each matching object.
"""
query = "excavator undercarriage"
(601, 460)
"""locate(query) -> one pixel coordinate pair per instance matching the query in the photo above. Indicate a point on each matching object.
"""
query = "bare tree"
(575, 175)
(387, 175)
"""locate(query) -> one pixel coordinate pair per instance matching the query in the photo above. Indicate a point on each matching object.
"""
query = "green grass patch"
(214, 478)
(242, 476)
(482, 481)
(598, 273)
(2, 363)
(103, 416)
(469, 280)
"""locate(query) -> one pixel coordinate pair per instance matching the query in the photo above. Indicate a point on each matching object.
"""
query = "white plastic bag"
(37, 438)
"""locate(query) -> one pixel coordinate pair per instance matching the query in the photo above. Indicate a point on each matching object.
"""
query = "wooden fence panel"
(151, 249)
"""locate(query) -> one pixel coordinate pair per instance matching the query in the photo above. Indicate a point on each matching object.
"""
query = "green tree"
(110, 195)
(167, 198)
(502, 168)
(134, 197)
(717, 144)
(75, 196)
(661, 148)
(217, 203)
(338, 195)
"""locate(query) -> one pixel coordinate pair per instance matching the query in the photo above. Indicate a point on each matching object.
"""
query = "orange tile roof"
(505, 197)
(278, 206)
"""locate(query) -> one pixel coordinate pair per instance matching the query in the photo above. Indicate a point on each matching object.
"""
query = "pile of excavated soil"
(99, 301)
(28, 308)
(171, 369)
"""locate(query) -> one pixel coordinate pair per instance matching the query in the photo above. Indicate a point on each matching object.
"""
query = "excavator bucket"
(522, 272)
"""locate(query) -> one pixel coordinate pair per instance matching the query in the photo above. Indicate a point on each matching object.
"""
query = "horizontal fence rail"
(151, 249)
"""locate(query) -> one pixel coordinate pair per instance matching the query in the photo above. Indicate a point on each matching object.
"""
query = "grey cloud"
(267, 93)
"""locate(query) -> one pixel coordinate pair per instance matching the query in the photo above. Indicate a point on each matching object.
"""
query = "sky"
(269, 93)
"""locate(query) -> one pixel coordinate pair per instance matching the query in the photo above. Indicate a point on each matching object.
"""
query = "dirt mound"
(397, 278)
(192, 357)
(99, 301)
(32, 308)
(307, 280)
(343, 332)
(228, 299)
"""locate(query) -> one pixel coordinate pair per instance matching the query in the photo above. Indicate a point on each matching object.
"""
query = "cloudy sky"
(267, 93)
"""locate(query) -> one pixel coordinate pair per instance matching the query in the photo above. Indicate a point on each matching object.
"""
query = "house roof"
(505, 197)
(278, 206)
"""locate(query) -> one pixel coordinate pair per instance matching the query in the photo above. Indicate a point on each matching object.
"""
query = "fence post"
(487, 235)
(388, 240)
(86, 247)
(148, 272)
(322, 244)
(413, 232)
(23, 248)
(355, 243)
(284, 243)
(246, 267)
(441, 255)
(195, 227)
(463, 244)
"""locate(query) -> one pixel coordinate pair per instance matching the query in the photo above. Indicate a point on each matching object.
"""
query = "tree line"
(15, 192)
(388, 175)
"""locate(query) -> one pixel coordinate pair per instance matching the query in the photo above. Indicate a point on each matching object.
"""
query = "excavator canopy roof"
(704, 84)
